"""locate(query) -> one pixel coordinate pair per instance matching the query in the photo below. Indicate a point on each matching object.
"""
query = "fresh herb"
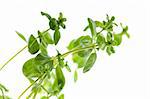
(46, 72)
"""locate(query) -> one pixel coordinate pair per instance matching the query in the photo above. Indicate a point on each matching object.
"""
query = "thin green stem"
(29, 87)
(12, 57)
(75, 51)
(2, 93)
(18, 53)
(45, 89)
(79, 50)
(63, 55)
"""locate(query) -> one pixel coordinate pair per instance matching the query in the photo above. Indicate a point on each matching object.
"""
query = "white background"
(124, 75)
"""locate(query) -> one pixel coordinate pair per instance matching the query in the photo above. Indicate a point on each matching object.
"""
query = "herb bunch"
(45, 73)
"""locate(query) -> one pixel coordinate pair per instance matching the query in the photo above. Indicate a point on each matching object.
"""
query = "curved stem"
(17, 53)
(76, 50)
(63, 55)
(2, 94)
(29, 86)
(12, 57)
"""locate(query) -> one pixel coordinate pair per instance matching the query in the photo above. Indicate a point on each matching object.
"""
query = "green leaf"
(61, 20)
(56, 36)
(117, 39)
(90, 62)
(85, 29)
(61, 96)
(84, 53)
(32, 69)
(80, 57)
(109, 37)
(71, 45)
(4, 97)
(47, 38)
(60, 77)
(67, 67)
(45, 14)
(99, 24)
(110, 50)
(3, 88)
(42, 59)
(55, 87)
(81, 42)
(79, 60)
(92, 26)
(53, 24)
(35, 67)
(75, 76)
(125, 31)
(101, 41)
(44, 97)
(43, 49)
(33, 46)
(21, 36)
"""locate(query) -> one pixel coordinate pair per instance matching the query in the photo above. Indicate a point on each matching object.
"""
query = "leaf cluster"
(46, 73)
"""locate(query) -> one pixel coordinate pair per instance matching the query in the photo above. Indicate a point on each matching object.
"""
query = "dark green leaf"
(61, 96)
(53, 24)
(75, 76)
(21, 36)
(92, 26)
(45, 14)
(90, 62)
(56, 36)
(86, 28)
(60, 77)
(33, 45)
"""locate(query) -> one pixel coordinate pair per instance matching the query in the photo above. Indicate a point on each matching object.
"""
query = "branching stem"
(18, 53)
(30, 86)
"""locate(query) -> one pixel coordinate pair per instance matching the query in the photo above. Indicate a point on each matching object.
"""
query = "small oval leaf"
(60, 77)
(92, 26)
(90, 62)
(33, 45)
(21, 36)
(56, 36)
(75, 76)
(61, 96)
